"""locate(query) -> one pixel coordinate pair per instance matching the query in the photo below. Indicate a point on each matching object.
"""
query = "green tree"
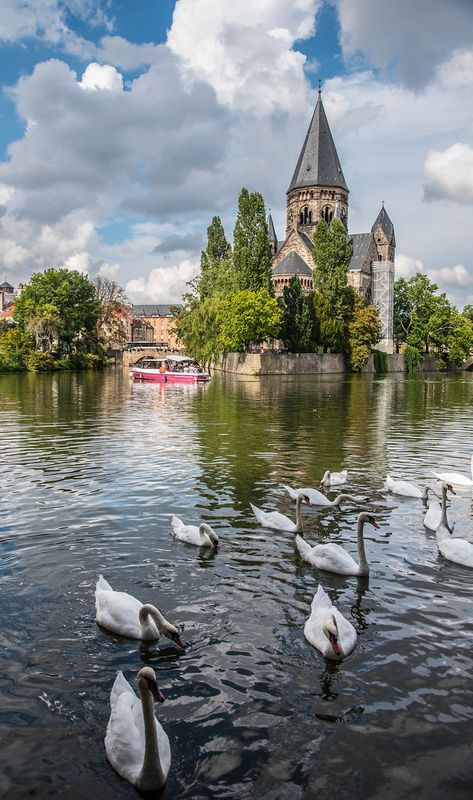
(364, 331)
(251, 246)
(216, 268)
(248, 317)
(15, 347)
(65, 299)
(297, 321)
(198, 327)
(333, 297)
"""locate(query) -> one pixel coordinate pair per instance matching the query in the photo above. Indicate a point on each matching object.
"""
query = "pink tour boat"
(168, 369)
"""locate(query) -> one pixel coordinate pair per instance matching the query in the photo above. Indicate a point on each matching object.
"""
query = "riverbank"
(272, 363)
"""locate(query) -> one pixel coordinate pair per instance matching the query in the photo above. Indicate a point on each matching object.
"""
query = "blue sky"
(124, 127)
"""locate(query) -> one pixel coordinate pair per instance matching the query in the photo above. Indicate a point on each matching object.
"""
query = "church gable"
(298, 243)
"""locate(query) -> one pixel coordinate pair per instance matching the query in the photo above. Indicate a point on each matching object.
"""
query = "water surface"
(92, 468)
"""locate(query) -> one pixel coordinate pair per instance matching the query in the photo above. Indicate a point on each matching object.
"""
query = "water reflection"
(96, 465)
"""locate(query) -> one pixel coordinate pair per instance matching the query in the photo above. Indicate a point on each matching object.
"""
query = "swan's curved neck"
(363, 563)
(299, 514)
(151, 775)
(425, 493)
(342, 497)
(443, 518)
(148, 610)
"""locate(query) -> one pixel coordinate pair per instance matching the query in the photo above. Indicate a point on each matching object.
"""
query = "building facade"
(154, 324)
(318, 190)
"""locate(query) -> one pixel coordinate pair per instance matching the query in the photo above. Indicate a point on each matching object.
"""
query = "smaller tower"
(383, 276)
(273, 239)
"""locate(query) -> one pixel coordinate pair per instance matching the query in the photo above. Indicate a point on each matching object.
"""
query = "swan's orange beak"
(333, 641)
(154, 688)
(451, 489)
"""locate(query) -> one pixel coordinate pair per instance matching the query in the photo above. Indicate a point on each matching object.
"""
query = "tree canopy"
(60, 309)
(334, 299)
(251, 245)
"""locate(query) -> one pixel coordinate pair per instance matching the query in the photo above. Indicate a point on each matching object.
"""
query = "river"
(92, 468)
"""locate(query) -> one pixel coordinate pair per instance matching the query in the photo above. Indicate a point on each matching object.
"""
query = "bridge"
(129, 357)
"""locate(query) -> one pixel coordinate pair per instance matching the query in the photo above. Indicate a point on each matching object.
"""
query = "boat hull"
(169, 377)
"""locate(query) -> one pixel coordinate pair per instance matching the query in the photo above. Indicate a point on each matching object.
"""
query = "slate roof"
(360, 243)
(307, 240)
(318, 163)
(293, 264)
(153, 310)
(386, 225)
(6, 287)
(271, 231)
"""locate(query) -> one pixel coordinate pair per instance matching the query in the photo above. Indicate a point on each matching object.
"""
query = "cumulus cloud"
(449, 173)
(189, 242)
(162, 282)
(47, 20)
(101, 76)
(407, 266)
(452, 276)
(409, 40)
(109, 271)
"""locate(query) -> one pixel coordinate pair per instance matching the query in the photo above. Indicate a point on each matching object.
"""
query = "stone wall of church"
(384, 247)
(306, 206)
(294, 242)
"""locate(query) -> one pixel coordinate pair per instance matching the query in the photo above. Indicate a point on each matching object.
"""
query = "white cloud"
(101, 76)
(407, 266)
(449, 173)
(244, 50)
(109, 271)
(405, 38)
(79, 262)
(163, 284)
(452, 276)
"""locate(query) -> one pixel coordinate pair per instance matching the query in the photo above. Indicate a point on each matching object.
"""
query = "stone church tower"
(318, 190)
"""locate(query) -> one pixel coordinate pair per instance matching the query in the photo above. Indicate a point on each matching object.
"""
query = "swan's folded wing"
(304, 549)
(177, 524)
(102, 585)
(118, 611)
(120, 686)
(291, 492)
(458, 550)
(124, 739)
(346, 631)
(334, 558)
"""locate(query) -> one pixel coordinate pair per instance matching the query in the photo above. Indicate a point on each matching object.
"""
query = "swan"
(136, 744)
(455, 477)
(438, 512)
(318, 499)
(334, 478)
(124, 614)
(406, 489)
(327, 630)
(452, 547)
(202, 535)
(279, 522)
(334, 558)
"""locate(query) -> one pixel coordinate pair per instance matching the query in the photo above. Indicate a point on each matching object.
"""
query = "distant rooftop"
(154, 310)
(293, 264)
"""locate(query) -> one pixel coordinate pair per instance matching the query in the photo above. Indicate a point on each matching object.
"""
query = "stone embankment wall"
(307, 364)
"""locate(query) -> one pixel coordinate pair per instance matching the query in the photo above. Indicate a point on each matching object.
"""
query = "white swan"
(334, 478)
(135, 742)
(456, 478)
(452, 547)
(202, 535)
(279, 522)
(124, 614)
(406, 489)
(334, 558)
(327, 630)
(438, 511)
(318, 499)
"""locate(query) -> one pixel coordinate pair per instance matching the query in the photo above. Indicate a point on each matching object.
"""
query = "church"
(318, 190)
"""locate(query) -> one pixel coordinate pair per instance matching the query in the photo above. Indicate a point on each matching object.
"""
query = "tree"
(112, 323)
(334, 298)
(248, 317)
(198, 327)
(364, 330)
(15, 347)
(251, 246)
(297, 322)
(61, 305)
(216, 269)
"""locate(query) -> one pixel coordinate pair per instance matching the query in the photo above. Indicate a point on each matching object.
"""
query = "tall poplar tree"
(251, 246)
(334, 298)
(297, 321)
(215, 261)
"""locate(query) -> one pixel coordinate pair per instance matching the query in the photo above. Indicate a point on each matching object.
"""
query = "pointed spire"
(271, 230)
(385, 223)
(318, 163)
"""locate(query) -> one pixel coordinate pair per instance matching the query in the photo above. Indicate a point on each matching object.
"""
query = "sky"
(126, 126)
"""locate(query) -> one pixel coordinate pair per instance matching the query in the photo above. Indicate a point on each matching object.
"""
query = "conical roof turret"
(386, 225)
(271, 230)
(318, 163)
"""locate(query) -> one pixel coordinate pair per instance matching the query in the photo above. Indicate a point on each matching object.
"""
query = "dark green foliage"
(380, 362)
(334, 298)
(15, 347)
(251, 245)
(364, 331)
(297, 320)
(413, 358)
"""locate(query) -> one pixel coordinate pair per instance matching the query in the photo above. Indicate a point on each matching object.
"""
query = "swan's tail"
(119, 687)
(292, 494)
(176, 524)
(304, 548)
(102, 585)
(321, 599)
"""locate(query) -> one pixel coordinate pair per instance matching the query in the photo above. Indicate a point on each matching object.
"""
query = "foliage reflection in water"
(93, 468)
